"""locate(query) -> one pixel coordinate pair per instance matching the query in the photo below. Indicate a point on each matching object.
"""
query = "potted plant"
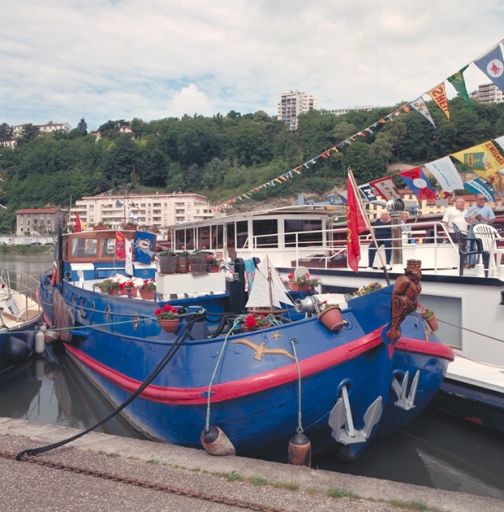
(183, 262)
(213, 263)
(368, 288)
(167, 262)
(128, 288)
(100, 226)
(109, 286)
(168, 317)
(304, 283)
(198, 262)
(255, 321)
(148, 289)
(430, 317)
(331, 317)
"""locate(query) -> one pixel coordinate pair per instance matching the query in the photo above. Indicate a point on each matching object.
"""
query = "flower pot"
(167, 264)
(182, 264)
(148, 294)
(433, 323)
(131, 292)
(169, 325)
(332, 318)
(122, 291)
(198, 264)
(113, 292)
(294, 287)
(214, 268)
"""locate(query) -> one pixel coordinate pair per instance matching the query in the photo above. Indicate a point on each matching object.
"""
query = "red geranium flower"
(250, 321)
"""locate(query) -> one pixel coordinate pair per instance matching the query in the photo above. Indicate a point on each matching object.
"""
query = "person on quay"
(480, 213)
(383, 235)
(455, 217)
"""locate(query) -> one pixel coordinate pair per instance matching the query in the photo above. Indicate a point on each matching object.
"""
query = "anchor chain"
(169, 489)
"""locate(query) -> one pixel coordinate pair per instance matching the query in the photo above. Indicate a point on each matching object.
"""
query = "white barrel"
(39, 342)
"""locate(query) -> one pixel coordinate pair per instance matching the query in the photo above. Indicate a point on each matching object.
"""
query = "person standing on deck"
(480, 213)
(455, 217)
(383, 235)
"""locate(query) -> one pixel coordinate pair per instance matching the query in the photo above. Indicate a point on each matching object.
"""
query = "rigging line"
(471, 330)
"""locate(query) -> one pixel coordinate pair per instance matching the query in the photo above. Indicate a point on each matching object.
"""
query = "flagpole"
(368, 224)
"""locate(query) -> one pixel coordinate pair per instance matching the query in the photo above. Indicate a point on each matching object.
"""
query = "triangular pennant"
(438, 95)
(420, 106)
(484, 159)
(492, 64)
(418, 183)
(458, 82)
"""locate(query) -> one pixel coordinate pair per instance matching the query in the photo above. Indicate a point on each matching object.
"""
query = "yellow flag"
(484, 159)
(438, 94)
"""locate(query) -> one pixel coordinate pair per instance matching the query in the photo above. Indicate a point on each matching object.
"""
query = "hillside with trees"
(222, 156)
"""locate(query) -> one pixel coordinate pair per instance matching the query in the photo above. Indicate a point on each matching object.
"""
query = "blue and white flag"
(478, 186)
(492, 64)
(143, 247)
(367, 191)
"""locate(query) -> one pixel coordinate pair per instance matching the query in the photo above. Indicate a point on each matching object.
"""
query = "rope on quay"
(179, 341)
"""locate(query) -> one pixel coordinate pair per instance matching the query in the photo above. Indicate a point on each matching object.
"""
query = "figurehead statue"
(405, 295)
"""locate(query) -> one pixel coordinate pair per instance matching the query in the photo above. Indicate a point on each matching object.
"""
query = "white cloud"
(99, 59)
(189, 100)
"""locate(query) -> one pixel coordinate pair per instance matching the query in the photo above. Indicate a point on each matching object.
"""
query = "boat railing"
(26, 287)
(330, 244)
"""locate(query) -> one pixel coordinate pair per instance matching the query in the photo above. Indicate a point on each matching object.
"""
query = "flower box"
(147, 294)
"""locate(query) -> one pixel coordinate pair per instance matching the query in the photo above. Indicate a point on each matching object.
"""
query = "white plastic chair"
(490, 238)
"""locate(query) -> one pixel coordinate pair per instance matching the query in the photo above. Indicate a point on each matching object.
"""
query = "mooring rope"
(157, 370)
(299, 429)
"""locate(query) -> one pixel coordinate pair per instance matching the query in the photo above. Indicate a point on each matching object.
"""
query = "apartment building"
(50, 127)
(153, 210)
(488, 93)
(341, 111)
(292, 104)
(40, 221)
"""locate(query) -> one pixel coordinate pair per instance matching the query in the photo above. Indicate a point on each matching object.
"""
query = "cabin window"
(302, 228)
(180, 240)
(217, 236)
(204, 238)
(241, 234)
(108, 247)
(189, 239)
(84, 247)
(231, 241)
(266, 233)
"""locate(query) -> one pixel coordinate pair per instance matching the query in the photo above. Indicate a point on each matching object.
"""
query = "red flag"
(120, 245)
(356, 224)
(77, 225)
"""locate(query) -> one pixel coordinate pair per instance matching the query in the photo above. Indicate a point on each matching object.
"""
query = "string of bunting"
(491, 63)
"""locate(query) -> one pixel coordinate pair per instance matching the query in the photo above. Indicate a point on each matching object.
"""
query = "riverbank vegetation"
(222, 156)
(26, 250)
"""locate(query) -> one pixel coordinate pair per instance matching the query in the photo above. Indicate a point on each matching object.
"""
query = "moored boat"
(356, 382)
(20, 314)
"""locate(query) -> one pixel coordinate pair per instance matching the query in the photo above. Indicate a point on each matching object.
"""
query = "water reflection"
(51, 390)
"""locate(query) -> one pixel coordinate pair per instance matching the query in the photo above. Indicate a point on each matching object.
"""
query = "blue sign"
(143, 247)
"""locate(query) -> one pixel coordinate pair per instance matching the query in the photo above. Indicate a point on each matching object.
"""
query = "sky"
(63, 60)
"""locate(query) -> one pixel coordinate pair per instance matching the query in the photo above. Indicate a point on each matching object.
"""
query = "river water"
(434, 451)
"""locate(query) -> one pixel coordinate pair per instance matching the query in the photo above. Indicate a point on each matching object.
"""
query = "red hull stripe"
(238, 388)
(425, 347)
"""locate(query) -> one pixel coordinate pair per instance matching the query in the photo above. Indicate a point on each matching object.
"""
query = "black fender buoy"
(15, 350)
(299, 450)
(216, 442)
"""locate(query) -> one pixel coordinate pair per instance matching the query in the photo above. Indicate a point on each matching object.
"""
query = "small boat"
(232, 386)
(19, 316)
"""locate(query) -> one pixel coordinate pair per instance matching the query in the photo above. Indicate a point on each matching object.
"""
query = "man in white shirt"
(456, 216)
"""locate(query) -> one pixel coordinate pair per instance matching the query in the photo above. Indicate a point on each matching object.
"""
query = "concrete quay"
(182, 479)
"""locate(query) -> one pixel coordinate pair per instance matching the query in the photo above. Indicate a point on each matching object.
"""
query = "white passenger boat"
(469, 302)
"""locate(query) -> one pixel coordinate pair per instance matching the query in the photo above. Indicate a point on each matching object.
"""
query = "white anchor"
(342, 424)
(406, 402)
